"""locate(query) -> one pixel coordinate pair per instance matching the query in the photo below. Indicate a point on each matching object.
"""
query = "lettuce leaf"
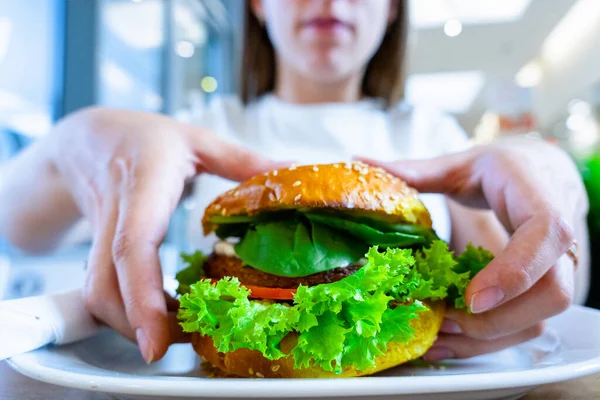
(446, 276)
(192, 272)
(295, 248)
(233, 224)
(473, 259)
(341, 324)
(298, 243)
(470, 262)
(373, 236)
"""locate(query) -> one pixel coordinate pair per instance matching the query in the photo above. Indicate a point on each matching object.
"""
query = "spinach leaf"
(303, 242)
(192, 272)
(253, 219)
(298, 247)
(225, 231)
(365, 228)
(369, 234)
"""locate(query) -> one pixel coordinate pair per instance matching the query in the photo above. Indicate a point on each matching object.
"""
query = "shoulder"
(433, 127)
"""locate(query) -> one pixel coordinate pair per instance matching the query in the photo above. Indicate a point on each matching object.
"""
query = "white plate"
(569, 349)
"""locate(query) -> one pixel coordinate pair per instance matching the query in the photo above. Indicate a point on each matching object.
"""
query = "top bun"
(355, 187)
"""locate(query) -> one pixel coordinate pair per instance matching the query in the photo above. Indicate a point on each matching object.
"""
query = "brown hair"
(384, 76)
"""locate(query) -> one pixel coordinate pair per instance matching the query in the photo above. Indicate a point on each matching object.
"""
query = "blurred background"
(501, 67)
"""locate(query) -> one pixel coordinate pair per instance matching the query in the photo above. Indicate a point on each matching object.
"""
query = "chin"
(330, 68)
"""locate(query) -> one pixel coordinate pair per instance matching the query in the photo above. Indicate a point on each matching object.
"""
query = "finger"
(531, 251)
(146, 204)
(449, 174)
(478, 179)
(540, 234)
(459, 346)
(227, 160)
(523, 312)
(101, 290)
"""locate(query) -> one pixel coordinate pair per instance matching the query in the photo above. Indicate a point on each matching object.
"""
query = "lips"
(326, 23)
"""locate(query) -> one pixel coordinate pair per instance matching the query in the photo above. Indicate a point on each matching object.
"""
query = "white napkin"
(32, 322)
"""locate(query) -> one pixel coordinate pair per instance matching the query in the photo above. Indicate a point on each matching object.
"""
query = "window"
(131, 46)
(27, 66)
(164, 56)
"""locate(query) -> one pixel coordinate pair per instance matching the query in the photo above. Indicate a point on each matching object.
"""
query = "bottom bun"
(251, 363)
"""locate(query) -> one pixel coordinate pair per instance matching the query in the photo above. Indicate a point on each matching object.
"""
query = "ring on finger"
(573, 253)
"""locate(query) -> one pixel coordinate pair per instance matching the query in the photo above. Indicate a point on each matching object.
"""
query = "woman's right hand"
(126, 172)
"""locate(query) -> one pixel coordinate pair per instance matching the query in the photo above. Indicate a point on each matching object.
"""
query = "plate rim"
(286, 388)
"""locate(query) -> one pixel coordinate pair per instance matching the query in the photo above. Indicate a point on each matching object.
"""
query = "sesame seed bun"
(350, 187)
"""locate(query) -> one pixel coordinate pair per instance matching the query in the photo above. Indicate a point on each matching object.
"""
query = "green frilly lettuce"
(341, 324)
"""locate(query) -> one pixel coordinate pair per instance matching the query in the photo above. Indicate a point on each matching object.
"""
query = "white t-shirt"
(324, 133)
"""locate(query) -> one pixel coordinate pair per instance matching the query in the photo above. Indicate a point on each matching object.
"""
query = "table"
(15, 386)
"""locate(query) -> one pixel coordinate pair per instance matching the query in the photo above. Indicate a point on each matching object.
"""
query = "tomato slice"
(260, 292)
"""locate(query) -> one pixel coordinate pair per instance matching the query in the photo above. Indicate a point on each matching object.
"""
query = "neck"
(292, 87)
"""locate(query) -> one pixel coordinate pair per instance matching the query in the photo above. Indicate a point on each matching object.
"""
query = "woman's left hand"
(536, 192)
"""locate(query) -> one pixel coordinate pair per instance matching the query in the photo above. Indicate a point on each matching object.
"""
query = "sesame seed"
(356, 167)
(293, 167)
(362, 179)
(224, 211)
(275, 368)
(203, 358)
(379, 175)
(297, 198)
(260, 375)
(348, 165)
(275, 173)
(217, 207)
(336, 165)
(379, 196)
(364, 171)
(297, 183)
(236, 194)
(250, 371)
(394, 197)
(315, 168)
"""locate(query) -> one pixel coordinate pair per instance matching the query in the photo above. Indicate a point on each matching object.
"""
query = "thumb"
(219, 157)
(449, 174)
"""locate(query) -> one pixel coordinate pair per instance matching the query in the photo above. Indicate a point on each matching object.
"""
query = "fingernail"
(449, 326)
(486, 299)
(438, 354)
(145, 345)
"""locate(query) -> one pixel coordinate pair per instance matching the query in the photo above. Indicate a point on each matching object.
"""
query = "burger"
(320, 271)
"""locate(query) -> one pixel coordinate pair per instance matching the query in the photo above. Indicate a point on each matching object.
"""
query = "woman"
(322, 82)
